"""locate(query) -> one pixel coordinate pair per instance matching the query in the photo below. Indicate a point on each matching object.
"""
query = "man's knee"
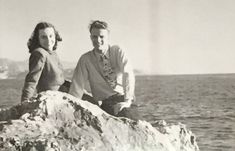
(131, 113)
(89, 98)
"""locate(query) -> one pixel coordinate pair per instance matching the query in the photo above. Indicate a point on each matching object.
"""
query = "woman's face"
(47, 38)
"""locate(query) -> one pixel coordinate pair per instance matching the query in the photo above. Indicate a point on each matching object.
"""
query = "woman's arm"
(36, 64)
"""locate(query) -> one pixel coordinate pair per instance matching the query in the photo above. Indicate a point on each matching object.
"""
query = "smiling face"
(99, 38)
(47, 38)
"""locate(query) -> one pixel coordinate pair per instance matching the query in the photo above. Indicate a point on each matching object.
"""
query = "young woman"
(45, 69)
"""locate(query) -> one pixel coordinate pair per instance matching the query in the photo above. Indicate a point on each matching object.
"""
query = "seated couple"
(106, 68)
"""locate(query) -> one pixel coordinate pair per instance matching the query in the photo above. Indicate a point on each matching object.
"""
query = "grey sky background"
(160, 36)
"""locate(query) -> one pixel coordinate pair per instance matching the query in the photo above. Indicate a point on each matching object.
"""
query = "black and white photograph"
(117, 75)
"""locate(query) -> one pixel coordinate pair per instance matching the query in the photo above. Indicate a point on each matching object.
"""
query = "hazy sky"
(160, 36)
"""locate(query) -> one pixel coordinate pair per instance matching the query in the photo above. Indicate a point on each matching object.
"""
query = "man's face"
(99, 38)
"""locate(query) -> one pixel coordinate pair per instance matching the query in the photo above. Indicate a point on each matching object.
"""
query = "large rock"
(57, 121)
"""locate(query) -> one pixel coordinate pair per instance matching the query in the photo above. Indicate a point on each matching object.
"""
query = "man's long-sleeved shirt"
(45, 73)
(89, 69)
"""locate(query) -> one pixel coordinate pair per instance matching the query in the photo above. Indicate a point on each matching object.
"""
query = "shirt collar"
(106, 53)
(49, 51)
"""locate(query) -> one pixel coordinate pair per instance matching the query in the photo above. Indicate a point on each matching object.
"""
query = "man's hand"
(119, 106)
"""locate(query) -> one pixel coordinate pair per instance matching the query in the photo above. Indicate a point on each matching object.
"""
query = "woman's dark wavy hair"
(33, 41)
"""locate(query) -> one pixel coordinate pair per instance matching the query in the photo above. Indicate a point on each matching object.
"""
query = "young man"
(108, 71)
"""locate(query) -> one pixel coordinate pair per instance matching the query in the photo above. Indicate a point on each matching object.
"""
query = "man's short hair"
(99, 25)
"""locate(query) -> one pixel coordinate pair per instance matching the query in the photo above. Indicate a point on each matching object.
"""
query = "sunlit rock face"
(57, 121)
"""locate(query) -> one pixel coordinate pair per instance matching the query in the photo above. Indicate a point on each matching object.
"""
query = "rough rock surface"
(57, 121)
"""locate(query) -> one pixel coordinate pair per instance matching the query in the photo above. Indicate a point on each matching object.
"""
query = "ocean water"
(205, 103)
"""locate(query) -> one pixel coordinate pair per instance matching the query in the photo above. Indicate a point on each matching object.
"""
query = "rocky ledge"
(57, 121)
